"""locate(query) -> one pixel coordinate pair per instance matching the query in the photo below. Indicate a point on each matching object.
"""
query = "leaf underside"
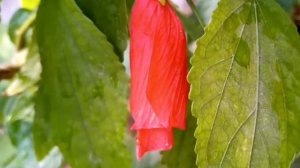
(245, 87)
(81, 103)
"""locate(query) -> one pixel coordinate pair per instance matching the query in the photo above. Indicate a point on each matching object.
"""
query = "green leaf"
(18, 114)
(18, 19)
(7, 48)
(191, 26)
(246, 87)
(182, 155)
(129, 5)
(81, 103)
(7, 150)
(111, 17)
(1, 118)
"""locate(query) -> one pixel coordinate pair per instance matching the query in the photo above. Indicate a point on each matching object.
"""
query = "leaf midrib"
(256, 110)
(80, 108)
(257, 83)
(286, 161)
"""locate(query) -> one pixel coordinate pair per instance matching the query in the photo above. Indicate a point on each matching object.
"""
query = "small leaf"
(246, 87)
(191, 26)
(7, 150)
(111, 18)
(18, 19)
(7, 49)
(81, 103)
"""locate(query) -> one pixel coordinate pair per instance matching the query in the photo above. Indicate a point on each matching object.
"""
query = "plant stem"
(22, 31)
(196, 13)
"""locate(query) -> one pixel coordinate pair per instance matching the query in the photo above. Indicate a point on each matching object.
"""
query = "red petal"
(167, 76)
(142, 30)
(158, 62)
(153, 140)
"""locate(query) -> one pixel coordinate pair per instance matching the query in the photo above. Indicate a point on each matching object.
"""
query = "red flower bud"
(158, 63)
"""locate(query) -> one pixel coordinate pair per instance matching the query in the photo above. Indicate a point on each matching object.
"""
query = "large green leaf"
(81, 103)
(182, 155)
(111, 17)
(245, 80)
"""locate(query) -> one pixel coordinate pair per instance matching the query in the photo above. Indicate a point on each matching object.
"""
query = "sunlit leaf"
(29, 72)
(81, 103)
(6, 46)
(7, 150)
(246, 87)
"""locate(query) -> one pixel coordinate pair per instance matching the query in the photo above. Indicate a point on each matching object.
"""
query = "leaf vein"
(224, 87)
(80, 109)
(234, 135)
(257, 84)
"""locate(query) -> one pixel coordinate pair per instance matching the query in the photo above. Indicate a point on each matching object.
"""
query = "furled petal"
(158, 62)
(142, 29)
(167, 74)
(153, 140)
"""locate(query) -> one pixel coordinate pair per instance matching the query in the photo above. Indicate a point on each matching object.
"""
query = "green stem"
(196, 13)
(22, 31)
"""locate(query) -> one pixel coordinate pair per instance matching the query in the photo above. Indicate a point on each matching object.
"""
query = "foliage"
(88, 90)
(112, 20)
(245, 87)
(64, 92)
